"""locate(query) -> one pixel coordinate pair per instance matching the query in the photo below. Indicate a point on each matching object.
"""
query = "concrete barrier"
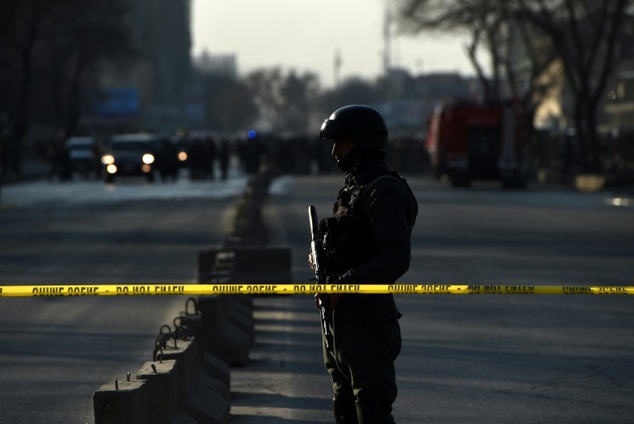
(239, 314)
(191, 368)
(201, 396)
(161, 380)
(222, 337)
(245, 264)
(176, 388)
(262, 265)
(215, 265)
(121, 402)
(189, 379)
(214, 366)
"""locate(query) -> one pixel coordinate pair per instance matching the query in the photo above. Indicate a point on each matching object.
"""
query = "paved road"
(55, 352)
(471, 359)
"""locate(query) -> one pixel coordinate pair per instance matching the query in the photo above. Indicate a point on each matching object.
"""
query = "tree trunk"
(586, 131)
(74, 98)
(20, 121)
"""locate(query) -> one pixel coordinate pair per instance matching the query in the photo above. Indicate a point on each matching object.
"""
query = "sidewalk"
(285, 381)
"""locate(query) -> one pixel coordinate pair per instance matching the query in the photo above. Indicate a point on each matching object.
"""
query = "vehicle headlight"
(107, 159)
(148, 158)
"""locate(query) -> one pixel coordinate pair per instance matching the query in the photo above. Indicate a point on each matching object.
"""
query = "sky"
(304, 35)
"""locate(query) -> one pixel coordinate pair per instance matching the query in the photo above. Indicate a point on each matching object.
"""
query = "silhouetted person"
(224, 158)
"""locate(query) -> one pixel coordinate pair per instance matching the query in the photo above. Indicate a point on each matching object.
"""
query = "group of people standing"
(202, 155)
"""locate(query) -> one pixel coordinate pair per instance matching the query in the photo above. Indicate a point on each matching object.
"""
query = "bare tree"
(64, 40)
(283, 99)
(84, 35)
(266, 85)
(228, 102)
(590, 38)
(479, 18)
(352, 90)
(19, 38)
(492, 27)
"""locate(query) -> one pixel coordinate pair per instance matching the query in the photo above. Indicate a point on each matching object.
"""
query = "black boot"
(345, 411)
(372, 413)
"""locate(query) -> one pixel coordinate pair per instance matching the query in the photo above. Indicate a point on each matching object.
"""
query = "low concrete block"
(206, 261)
(239, 315)
(162, 386)
(216, 367)
(223, 338)
(205, 406)
(202, 397)
(262, 265)
(249, 264)
(121, 402)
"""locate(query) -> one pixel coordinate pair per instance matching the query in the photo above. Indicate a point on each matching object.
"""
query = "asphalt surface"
(55, 352)
(470, 359)
(465, 359)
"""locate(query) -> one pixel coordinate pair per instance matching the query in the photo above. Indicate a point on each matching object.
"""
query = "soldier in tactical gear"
(367, 240)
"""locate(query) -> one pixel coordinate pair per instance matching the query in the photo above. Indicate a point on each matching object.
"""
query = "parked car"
(130, 155)
(83, 155)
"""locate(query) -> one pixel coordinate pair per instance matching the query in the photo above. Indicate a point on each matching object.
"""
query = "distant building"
(442, 86)
(162, 32)
(225, 64)
(155, 80)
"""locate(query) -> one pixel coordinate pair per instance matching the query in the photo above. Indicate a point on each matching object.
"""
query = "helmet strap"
(350, 162)
(358, 159)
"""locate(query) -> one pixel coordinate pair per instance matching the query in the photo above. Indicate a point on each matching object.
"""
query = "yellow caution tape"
(210, 289)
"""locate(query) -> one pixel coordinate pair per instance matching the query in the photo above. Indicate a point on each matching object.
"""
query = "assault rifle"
(322, 300)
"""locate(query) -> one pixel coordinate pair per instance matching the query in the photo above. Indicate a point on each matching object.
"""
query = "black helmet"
(362, 123)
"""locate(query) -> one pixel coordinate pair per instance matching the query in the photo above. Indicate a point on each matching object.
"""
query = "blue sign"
(119, 102)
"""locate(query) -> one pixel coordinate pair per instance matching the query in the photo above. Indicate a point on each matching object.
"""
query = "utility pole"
(387, 50)
(387, 38)
(337, 67)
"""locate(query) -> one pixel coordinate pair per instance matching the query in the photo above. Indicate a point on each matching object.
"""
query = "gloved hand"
(347, 278)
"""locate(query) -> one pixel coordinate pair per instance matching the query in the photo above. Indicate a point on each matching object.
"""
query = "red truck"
(467, 142)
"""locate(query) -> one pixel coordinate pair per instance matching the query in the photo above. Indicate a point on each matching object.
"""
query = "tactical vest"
(346, 238)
